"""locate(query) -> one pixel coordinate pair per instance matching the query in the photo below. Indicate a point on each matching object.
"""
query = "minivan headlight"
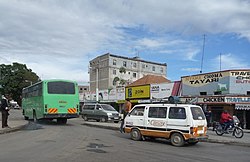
(109, 114)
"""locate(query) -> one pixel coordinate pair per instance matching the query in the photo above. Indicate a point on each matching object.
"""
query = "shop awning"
(242, 106)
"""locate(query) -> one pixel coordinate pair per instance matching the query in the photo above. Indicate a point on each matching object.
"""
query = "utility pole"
(202, 57)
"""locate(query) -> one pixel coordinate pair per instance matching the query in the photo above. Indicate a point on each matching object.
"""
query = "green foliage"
(122, 70)
(13, 78)
(116, 79)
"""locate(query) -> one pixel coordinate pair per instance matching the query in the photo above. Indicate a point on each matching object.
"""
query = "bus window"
(61, 88)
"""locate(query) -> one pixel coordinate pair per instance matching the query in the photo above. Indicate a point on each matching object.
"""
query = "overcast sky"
(58, 38)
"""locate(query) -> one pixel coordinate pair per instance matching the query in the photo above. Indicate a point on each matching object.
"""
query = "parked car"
(99, 112)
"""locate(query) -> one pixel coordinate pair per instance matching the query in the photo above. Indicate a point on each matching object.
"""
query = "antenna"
(220, 61)
(202, 57)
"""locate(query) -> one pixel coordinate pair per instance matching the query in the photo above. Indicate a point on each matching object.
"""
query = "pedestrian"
(125, 110)
(208, 115)
(5, 111)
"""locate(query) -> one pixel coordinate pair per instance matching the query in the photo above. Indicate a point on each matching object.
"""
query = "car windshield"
(108, 108)
(197, 113)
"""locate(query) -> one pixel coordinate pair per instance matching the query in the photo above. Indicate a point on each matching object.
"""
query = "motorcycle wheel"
(219, 130)
(238, 132)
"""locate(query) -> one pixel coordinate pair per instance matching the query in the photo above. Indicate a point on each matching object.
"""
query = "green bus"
(51, 99)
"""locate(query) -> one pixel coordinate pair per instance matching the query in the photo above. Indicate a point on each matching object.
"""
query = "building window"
(248, 93)
(203, 93)
(134, 64)
(85, 89)
(114, 72)
(153, 68)
(143, 66)
(80, 89)
(134, 75)
(217, 93)
(114, 62)
(124, 63)
(161, 69)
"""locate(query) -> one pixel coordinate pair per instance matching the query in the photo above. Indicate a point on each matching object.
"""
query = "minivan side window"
(138, 111)
(177, 113)
(157, 112)
(197, 113)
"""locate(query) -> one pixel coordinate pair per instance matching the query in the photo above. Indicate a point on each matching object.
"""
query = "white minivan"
(180, 123)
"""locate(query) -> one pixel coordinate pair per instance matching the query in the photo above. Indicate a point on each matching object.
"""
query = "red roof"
(149, 79)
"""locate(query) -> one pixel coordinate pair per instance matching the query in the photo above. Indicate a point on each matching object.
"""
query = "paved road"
(17, 122)
(77, 142)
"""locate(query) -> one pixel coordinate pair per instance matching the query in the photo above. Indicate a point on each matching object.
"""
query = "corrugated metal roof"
(149, 79)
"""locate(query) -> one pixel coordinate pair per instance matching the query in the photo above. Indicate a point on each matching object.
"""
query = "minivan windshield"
(197, 113)
(108, 108)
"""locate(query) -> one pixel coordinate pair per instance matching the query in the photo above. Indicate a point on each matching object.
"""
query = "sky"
(58, 38)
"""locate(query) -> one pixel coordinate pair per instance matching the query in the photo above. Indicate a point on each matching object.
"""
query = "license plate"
(116, 118)
(200, 128)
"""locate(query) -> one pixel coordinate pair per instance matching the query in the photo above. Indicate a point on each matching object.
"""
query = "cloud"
(191, 69)
(58, 38)
(229, 61)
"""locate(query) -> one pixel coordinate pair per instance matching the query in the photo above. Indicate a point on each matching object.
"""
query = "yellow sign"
(138, 92)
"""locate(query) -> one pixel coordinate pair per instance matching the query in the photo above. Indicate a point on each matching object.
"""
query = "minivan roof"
(166, 104)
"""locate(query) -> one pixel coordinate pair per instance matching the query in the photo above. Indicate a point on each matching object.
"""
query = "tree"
(13, 78)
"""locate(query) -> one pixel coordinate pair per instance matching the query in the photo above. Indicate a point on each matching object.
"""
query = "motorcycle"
(233, 128)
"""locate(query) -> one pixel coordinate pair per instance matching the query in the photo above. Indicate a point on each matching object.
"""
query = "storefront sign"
(203, 79)
(237, 99)
(161, 91)
(213, 99)
(138, 92)
(241, 77)
(242, 106)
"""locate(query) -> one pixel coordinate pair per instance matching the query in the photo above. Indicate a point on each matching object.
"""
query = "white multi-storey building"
(109, 71)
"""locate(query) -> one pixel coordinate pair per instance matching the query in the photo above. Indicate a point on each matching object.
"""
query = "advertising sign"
(161, 91)
(138, 92)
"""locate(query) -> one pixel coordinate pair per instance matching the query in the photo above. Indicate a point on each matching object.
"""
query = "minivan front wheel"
(177, 139)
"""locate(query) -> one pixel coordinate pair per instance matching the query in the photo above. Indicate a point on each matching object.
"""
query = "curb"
(13, 129)
(208, 140)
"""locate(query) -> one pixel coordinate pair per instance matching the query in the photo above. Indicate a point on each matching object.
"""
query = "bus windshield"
(61, 88)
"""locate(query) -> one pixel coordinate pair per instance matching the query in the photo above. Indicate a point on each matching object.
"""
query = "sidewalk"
(213, 137)
(15, 121)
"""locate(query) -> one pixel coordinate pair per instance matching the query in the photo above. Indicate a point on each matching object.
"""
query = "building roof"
(135, 59)
(149, 79)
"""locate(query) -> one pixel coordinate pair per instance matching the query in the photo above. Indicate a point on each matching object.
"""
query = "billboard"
(138, 92)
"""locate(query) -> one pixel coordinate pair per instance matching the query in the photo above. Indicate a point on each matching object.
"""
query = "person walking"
(5, 111)
(125, 110)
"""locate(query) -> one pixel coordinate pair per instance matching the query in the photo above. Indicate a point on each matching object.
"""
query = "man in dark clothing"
(5, 113)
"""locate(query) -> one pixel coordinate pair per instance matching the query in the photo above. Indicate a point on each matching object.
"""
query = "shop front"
(235, 105)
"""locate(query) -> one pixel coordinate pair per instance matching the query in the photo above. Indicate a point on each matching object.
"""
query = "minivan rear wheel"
(136, 135)
(177, 139)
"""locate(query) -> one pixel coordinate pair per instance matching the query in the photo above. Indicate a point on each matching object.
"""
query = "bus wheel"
(34, 117)
(62, 120)
(177, 139)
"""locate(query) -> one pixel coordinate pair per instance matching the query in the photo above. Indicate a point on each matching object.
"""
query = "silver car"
(99, 112)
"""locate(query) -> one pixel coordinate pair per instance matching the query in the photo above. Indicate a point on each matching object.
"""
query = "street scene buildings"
(114, 78)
